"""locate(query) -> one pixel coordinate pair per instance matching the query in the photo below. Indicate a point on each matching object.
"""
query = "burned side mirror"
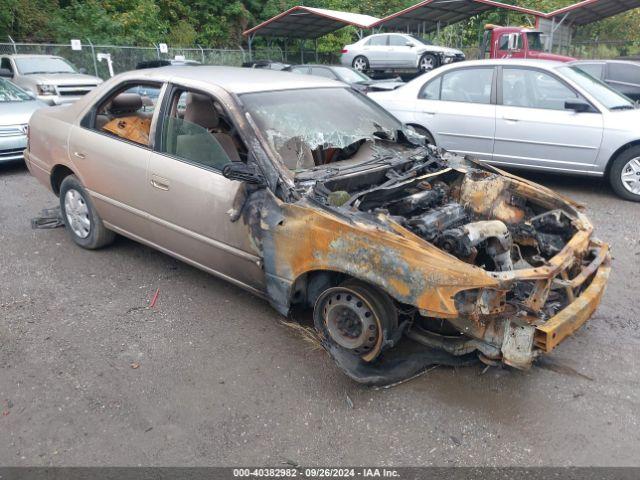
(244, 172)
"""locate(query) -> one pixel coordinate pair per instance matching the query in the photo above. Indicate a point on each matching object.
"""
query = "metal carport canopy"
(309, 22)
(429, 13)
(589, 11)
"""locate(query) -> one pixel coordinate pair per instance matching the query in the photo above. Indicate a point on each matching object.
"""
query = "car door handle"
(159, 182)
(511, 119)
(79, 155)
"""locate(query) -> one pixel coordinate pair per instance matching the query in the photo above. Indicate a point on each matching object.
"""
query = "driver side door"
(188, 197)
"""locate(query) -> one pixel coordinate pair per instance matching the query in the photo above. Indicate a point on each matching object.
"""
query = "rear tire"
(624, 174)
(360, 63)
(81, 219)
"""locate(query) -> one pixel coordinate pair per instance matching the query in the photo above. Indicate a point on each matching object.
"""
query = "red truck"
(516, 42)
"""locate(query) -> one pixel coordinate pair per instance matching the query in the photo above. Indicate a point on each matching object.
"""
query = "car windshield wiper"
(623, 107)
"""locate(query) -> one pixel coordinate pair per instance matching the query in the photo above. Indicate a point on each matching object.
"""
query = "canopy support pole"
(315, 41)
(250, 44)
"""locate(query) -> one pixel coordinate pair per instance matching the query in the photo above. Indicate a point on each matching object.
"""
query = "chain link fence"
(126, 58)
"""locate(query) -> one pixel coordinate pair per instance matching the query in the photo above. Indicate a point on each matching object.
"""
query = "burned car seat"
(123, 119)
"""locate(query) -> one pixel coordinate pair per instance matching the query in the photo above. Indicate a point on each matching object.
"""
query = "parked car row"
(526, 114)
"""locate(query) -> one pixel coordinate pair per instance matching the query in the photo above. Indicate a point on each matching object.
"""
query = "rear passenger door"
(188, 199)
(458, 108)
(376, 51)
(110, 152)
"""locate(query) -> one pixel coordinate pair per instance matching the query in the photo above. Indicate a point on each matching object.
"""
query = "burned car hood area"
(406, 253)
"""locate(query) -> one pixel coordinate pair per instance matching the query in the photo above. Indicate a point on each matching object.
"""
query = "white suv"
(397, 51)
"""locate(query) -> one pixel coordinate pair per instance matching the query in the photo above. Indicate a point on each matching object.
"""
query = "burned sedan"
(309, 194)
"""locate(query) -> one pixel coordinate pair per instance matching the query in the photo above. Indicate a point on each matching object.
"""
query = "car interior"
(127, 115)
(197, 128)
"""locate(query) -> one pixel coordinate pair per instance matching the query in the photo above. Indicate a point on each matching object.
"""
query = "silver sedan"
(16, 107)
(529, 114)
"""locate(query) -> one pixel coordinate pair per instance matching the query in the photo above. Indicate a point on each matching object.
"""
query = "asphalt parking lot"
(89, 376)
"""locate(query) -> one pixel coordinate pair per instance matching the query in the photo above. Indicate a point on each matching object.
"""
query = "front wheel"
(356, 317)
(360, 63)
(80, 217)
(624, 174)
(427, 63)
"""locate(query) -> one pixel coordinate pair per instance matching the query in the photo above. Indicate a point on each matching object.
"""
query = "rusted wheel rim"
(350, 321)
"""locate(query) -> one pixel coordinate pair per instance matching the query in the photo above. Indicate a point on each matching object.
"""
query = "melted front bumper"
(549, 334)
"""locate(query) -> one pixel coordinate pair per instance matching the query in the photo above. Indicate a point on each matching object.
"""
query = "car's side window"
(593, 69)
(377, 41)
(196, 128)
(534, 89)
(431, 90)
(397, 41)
(503, 42)
(127, 113)
(470, 85)
(6, 63)
(622, 72)
(300, 71)
(323, 72)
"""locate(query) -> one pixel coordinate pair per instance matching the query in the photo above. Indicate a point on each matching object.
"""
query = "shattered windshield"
(311, 127)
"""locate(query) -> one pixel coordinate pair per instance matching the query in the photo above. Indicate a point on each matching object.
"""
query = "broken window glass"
(298, 122)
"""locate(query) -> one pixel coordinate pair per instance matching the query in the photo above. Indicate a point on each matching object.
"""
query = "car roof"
(514, 62)
(235, 79)
(629, 62)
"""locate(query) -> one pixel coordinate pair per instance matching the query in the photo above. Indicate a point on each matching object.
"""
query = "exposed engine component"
(553, 230)
(427, 198)
(429, 225)
(463, 240)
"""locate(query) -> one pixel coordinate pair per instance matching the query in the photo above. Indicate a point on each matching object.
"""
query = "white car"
(397, 51)
(531, 114)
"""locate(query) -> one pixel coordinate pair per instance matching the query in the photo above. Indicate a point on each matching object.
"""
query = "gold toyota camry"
(309, 194)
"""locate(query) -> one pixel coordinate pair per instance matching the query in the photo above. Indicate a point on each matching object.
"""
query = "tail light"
(344, 50)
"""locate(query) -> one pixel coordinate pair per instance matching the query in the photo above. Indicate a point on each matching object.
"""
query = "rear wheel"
(356, 317)
(80, 217)
(624, 174)
(360, 63)
(427, 62)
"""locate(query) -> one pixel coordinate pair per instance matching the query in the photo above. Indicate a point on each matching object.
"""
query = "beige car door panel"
(114, 172)
(188, 201)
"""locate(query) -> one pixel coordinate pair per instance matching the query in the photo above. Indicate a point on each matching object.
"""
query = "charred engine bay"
(437, 204)
(480, 217)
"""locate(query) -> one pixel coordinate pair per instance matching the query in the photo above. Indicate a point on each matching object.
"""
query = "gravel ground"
(219, 381)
